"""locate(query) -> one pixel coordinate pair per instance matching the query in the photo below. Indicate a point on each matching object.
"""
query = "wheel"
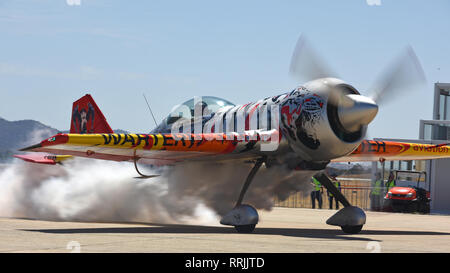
(413, 207)
(245, 229)
(397, 208)
(351, 229)
(424, 208)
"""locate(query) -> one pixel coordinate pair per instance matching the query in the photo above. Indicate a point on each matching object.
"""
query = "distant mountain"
(352, 168)
(18, 134)
(116, 131)
(15, 135)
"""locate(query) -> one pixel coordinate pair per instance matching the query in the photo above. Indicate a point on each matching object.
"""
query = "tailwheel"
(351, 229)
(245, 228)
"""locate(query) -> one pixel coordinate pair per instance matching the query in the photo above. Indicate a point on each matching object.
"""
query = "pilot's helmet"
(201, 107)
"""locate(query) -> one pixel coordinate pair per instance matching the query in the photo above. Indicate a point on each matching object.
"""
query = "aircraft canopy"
(205, 105)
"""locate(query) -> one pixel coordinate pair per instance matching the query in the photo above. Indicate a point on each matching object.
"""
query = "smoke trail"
(102, 191)
(37, 134)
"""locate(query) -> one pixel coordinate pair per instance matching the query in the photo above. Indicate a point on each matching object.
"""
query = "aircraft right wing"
(370, 150)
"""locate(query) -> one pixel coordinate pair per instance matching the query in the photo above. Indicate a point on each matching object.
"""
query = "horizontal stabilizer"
(43, 159)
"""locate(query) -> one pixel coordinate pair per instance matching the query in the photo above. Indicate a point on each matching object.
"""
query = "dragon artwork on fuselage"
(299, 113)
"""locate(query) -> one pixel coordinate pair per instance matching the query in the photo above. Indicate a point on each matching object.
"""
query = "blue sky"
(52, 53)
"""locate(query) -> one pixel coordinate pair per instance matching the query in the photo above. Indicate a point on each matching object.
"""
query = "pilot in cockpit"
(201, 108)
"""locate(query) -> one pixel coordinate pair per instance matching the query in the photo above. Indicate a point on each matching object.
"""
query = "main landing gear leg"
(244, 217)
(351, 219)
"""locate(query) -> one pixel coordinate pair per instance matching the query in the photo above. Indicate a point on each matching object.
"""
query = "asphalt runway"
(281, 230)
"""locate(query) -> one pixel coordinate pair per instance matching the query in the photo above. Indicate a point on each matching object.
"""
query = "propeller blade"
(306, 64)
(404, 74)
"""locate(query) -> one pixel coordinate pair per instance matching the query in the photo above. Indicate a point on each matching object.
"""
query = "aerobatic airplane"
(322, 121)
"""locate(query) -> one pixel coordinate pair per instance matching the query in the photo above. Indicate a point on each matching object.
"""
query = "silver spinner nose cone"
(361, 111)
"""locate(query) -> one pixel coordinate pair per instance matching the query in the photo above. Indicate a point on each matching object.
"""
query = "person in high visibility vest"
(337, 184)
(375, 193)
(316, 193)
(391, 182)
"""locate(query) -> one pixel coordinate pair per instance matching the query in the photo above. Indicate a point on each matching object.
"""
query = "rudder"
(87, 118)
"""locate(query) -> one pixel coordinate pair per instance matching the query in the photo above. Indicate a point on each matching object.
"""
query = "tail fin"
(87, 118)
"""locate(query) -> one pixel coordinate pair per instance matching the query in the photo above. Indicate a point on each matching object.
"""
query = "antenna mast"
(151, 112)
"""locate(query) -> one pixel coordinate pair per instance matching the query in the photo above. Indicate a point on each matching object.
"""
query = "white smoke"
(102, 191)
(37, 135)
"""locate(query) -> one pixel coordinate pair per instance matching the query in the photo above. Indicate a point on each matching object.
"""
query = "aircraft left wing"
(158, 149)
(370, 150)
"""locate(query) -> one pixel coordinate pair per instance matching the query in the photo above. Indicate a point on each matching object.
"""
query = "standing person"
(337, 184)
(316, 193)
(375, 193)
(391, 182)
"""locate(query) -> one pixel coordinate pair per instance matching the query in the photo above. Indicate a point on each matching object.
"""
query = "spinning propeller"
(402, 75)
